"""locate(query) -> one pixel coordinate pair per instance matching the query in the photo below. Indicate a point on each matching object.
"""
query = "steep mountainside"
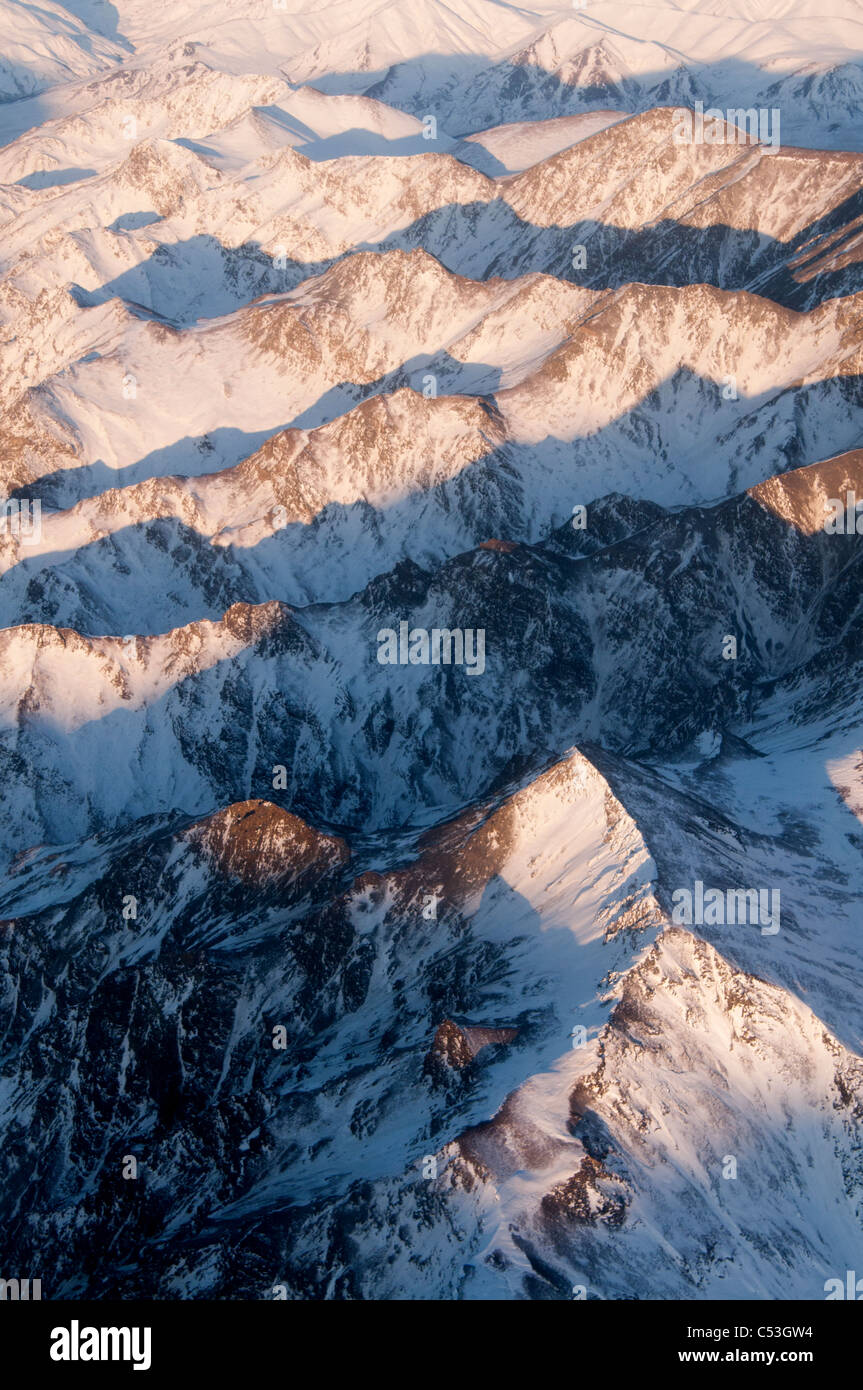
(431, 668)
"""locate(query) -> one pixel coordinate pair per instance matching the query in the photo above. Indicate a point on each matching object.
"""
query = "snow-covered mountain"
(430, 559)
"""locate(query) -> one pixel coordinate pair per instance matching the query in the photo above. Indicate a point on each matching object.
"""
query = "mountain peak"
(259, 843)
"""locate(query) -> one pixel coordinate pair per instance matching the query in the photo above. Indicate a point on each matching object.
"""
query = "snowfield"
(316, 321)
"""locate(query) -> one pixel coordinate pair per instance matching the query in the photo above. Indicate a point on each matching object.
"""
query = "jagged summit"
(429, 691)
(259, 843)
(803, 496)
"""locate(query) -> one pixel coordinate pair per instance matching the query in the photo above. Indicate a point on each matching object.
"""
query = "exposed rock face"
(502, 547)
(457, 1045)
(803, 497)
(347, 953)
(259, 843)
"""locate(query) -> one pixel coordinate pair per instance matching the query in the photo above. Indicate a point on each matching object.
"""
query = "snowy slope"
(321, 324)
